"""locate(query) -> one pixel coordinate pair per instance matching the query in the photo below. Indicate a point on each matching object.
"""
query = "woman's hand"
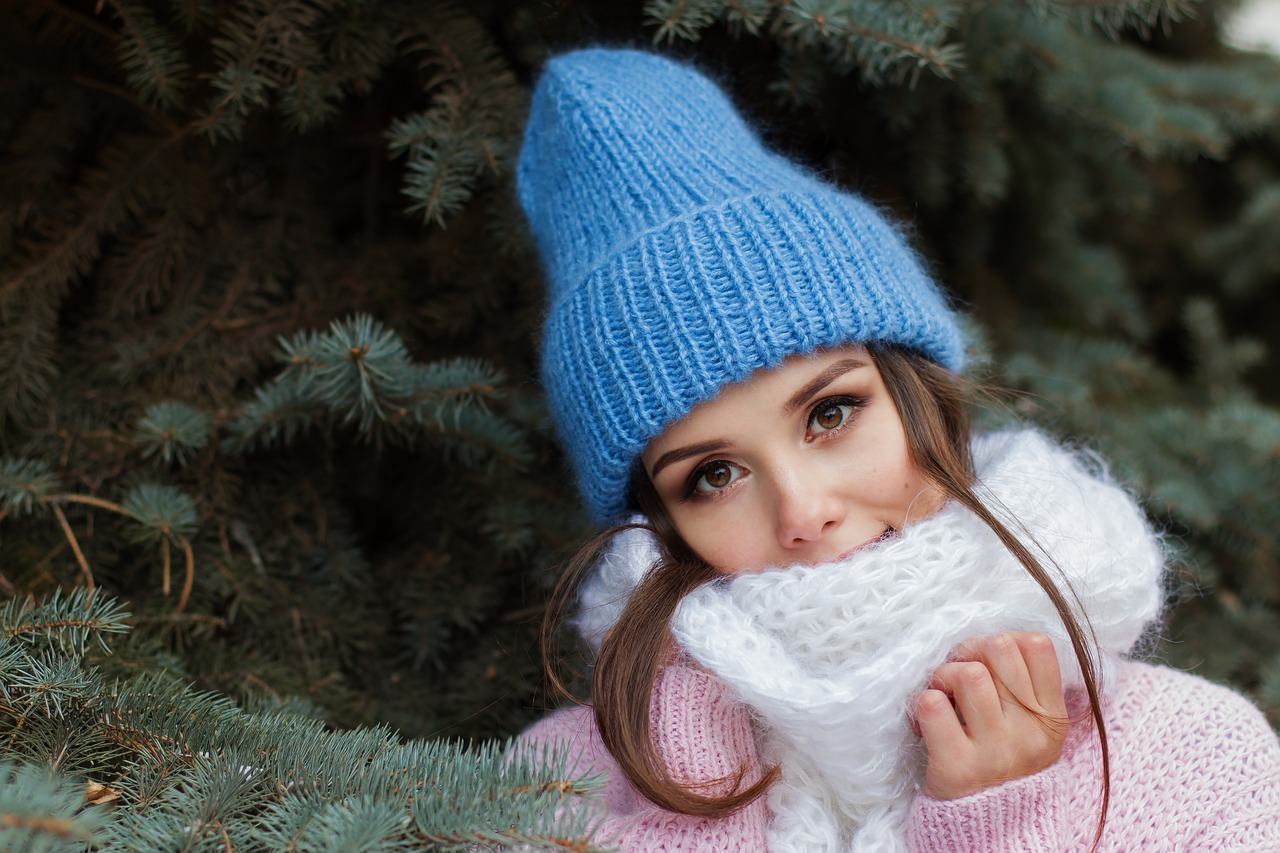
(993, 713)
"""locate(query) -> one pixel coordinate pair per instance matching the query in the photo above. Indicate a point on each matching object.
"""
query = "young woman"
(833, 619)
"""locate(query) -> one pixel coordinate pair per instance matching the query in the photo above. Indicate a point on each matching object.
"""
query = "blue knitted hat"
(681, 256)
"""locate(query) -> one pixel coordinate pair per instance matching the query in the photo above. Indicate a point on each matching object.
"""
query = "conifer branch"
(69, 623)
(88, 500)
(164, 566)
(75, 546)
(129, 98)
(44, 825)
(79, 241)
(142, 517)
(54, 625)
(234, 290)
(152, 59)
(683, 19)
(189, 580)
(514, 836)
(28, 367)
(181, 618)
(924, 54)
(398, 504)
(80, 20)
(250, 56)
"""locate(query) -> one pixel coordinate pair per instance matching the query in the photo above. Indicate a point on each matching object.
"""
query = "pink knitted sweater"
(1194, 767)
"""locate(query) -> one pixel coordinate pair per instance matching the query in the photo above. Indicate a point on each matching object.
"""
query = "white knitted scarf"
(830, 656)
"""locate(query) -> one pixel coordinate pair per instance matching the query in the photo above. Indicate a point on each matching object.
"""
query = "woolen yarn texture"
(681, 255)
(829, 657)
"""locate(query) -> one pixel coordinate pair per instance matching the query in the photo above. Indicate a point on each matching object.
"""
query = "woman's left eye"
(831, 414)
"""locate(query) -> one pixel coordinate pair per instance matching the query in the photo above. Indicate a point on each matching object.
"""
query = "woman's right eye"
(714, 476)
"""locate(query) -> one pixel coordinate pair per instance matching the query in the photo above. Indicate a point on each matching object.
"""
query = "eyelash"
(854, 404)
(691, 492)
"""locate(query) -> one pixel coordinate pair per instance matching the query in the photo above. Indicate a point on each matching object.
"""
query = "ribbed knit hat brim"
(682, 256)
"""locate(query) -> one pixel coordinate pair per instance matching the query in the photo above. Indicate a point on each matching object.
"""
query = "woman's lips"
(887, 533)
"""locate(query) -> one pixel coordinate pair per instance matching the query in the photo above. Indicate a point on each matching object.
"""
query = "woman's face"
(805, 463)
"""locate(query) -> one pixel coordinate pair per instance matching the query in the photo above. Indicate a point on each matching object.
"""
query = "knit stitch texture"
(828, 657)
(1195, 769)
(681, 256)
(822, 651)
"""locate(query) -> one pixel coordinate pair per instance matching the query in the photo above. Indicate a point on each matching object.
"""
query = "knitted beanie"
(681, 256)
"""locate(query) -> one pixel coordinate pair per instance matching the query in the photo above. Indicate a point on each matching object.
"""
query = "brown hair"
(931, 403)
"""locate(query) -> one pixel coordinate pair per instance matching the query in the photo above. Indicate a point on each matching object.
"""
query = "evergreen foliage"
(267, 331)
(150, 764)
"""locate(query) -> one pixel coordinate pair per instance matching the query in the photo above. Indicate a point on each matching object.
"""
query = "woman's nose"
(807, 510)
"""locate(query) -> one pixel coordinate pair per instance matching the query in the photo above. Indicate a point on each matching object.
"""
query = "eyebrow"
(822, 380)
(798, 399)
(681, 453)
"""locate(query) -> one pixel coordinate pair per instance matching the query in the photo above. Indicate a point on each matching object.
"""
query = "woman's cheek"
(720, 547)
(737, 555)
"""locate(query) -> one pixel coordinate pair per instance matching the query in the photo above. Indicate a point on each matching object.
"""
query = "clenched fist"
(992, 713)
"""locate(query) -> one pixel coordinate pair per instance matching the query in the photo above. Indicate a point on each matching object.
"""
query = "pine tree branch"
(14, 631)
(252, 56)
(563, 788)
(47, 825)
(183, 542)
(91, 222)
(82, 20)
(462, 392)
(853, 42)
(75, 546)
(129, 98)
(164, 570)
(235, 289)
(512, 836)
(931, 56)
(191, 573)
(41, 568)
(1157, 6)
(179, 618)
(88, 500)
(151, 56)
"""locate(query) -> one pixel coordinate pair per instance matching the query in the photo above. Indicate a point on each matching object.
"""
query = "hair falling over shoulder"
(931, 403)
(631, 657)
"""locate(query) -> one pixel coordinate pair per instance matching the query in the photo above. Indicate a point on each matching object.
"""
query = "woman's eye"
(714, 476)
(829, 415)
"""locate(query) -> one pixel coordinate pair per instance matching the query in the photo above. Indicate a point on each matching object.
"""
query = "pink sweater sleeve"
(703, 733)
(1195, 768)
(1022, 816)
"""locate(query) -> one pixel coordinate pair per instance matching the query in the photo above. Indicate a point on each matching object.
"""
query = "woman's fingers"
(955, 756)
(1003, 657)
(1042, 666)
(996, 713)
(973, 691)
(939, 725)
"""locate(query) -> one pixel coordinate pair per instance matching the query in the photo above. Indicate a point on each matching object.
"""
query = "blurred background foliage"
(269, 315)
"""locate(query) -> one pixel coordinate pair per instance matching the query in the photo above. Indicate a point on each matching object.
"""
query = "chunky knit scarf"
(830, 656)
